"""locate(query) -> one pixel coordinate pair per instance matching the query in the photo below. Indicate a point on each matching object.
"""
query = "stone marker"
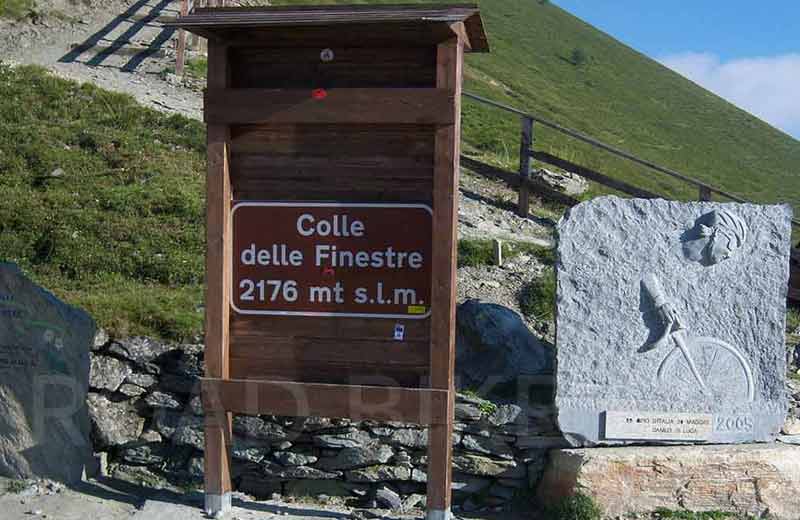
(670, 321)
(748, 479)
(44, 378)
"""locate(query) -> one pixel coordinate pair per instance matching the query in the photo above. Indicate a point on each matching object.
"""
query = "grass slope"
(103, 199)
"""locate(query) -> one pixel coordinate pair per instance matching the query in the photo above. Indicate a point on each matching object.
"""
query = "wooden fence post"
(705, 194)
(526, 139)
(180, 48)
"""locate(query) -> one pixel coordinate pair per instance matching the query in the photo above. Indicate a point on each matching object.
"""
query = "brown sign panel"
(332, 259)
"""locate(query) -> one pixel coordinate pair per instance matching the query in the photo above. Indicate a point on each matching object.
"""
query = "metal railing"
(527, 120)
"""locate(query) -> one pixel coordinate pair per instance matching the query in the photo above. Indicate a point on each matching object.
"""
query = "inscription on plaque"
(332, 259)
(658, 426)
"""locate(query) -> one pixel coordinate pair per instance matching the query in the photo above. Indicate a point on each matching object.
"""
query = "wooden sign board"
(332, 259)
(332, 193)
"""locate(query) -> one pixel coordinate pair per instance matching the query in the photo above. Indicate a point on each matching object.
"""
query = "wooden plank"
(357, 402)
(243, 326)
(593, 175)
(218, 284)
(336, 141)
(302, 67)
(525, 142)
(329, 373)
(335, 351)
(343, 106)
(445, 222)
(537, 186)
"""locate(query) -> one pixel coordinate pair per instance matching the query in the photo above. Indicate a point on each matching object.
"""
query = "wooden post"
(193, 38)
(705, 194)
(218, 290)
(443, 308)
(180, 46)
(526, 138)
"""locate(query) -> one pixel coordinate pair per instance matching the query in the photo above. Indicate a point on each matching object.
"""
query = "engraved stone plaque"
(671, 308)
(658, 426)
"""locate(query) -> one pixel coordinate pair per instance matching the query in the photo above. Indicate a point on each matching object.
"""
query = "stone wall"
(147, 422)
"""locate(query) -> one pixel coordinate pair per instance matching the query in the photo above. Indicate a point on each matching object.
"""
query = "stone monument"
(44, 379)
(670, 321)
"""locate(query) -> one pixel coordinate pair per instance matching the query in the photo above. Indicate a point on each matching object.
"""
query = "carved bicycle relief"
(711, 366)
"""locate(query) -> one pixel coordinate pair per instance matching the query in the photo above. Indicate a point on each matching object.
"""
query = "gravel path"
(119, 45)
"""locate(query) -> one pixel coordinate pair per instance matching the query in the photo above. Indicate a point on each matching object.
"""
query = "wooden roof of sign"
(218, 23)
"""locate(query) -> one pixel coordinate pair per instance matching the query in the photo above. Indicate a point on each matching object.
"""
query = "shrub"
(537, 299)
(578, 56)
(575, 507)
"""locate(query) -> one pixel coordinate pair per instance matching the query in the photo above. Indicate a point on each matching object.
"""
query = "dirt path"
(119, 45)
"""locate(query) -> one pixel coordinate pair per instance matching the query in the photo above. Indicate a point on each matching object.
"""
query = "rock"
(140, 350)
(245, 451)
(144, 454)
(162, 400)
(142, 380)
(504, 414)
(487, 467)
(168, 422)
(196, 405)
(257, 428)
(129, 390)
(113, 423)
(259, 487)
(410, 438)
(746, 479)
(627, 266)
(189, 435)
(489, 446)
(58, 172)
(180, 385)
(467, 412)
(494, 345)
(350, 458)
(100, 339)
(350, 438)
(299, 472)
(791, 426)
(387, 498)
(44, 379)
(313, 488)
(566, 182)
(468, 485)
(150, 436)
(288, 458)
(413, 501)
(379, 473)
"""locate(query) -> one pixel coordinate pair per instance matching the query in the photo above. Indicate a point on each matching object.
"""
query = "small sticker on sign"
(399, 331)
(417, 309)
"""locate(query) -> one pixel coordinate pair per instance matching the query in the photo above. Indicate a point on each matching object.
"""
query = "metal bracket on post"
(526, 140)
(217, 504)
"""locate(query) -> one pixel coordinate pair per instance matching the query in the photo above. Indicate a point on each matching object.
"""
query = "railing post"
(525, 142)
(180, 48)
(705, 194)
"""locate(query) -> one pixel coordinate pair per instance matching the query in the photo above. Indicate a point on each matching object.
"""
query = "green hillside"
(618, 96)
(103, 199)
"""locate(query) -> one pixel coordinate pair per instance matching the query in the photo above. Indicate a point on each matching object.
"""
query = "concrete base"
(438, 514)
(217, 503)
(746, 479)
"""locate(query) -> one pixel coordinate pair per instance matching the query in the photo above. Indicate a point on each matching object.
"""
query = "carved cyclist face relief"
(716, 236)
